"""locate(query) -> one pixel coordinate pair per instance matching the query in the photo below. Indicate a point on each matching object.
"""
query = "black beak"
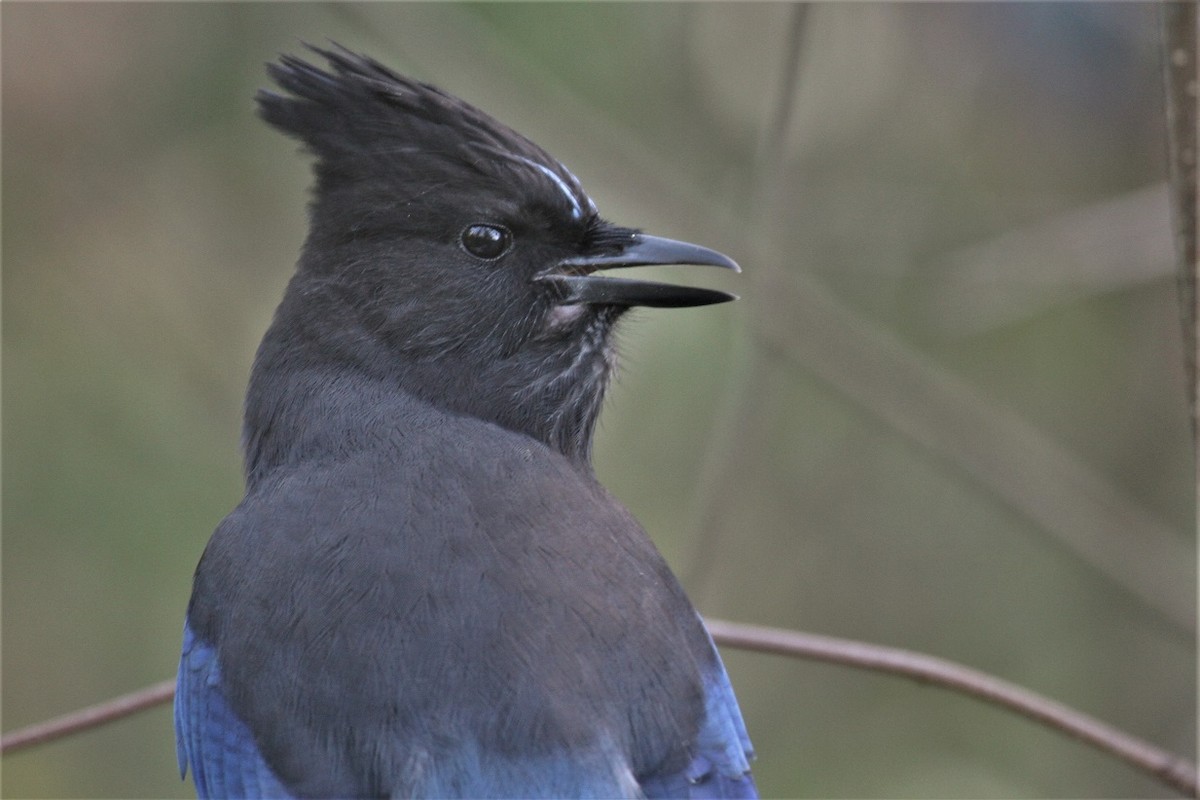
(575, 283)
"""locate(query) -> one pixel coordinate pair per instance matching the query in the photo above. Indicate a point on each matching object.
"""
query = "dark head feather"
(385, 294)
(362, 119)
(389, 295)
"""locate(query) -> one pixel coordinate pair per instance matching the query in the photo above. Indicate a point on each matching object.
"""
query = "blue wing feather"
(720, 765)
(225, 760)
(210, 738)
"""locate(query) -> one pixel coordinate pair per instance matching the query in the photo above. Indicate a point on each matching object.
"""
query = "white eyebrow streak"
(572, 193)
(576, 210)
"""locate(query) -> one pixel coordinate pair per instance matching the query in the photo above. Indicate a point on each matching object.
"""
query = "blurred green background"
(948, 413)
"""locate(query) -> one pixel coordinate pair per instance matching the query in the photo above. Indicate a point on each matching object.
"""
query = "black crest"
(361, 118)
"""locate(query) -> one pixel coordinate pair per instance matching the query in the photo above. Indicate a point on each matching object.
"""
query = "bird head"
(453, 257)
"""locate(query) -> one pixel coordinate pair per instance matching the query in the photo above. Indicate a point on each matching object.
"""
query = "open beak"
(575, 282)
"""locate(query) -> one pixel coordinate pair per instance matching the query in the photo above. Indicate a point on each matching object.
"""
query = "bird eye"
(486, 241)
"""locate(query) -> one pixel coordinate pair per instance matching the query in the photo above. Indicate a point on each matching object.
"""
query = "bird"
(426, 591)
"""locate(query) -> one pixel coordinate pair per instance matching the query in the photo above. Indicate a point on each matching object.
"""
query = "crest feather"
(358, 110)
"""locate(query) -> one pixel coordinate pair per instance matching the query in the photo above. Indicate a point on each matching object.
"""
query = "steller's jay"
(425, 591)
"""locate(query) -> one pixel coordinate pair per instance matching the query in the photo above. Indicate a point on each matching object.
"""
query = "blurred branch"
(1091, 516)
(1179, 37)
(728, 449)
(774, 137)
(1166, 767)
(1162, 765)
(1113, 244)
(90, 717)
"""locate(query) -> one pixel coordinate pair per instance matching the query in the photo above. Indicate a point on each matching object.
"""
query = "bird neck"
(309, 399)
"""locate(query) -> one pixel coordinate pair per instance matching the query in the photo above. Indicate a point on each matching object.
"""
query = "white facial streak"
(576, 210)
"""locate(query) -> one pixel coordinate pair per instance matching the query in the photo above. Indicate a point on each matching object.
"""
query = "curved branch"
(89, 717)
(1166, 767)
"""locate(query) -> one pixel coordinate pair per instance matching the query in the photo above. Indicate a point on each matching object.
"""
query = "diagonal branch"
(1020, 464)
(90, 717)
(1166, 767)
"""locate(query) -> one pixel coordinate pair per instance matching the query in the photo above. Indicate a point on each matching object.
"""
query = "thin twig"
(1166, 767)
(89, 717)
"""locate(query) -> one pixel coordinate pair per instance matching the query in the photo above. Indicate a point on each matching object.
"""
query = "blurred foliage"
(150, 223)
